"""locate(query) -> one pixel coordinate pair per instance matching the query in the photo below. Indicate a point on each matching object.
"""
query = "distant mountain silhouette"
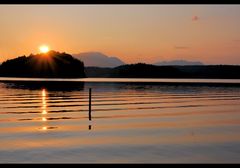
(178, 62)
(97, 59)
(49, 65)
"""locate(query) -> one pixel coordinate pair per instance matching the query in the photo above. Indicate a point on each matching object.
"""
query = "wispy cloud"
(181, 47)
(195, 18)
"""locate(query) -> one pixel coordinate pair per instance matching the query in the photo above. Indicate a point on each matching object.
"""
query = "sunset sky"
(133, 33)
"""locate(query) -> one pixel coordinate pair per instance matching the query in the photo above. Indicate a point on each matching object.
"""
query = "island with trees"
(52, 64)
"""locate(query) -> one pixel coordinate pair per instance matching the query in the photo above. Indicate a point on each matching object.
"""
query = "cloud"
(181, 47)
(195, 18)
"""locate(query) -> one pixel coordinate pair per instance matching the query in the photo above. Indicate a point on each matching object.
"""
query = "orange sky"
(133, 33)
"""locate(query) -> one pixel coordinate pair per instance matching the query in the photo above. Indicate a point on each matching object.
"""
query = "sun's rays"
(44, 62)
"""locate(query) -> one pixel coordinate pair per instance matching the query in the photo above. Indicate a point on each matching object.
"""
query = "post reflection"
(89, 119)
(90, 109)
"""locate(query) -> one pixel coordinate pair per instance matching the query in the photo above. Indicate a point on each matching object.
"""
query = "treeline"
(142, 70)
(49, 65)
(62, 65)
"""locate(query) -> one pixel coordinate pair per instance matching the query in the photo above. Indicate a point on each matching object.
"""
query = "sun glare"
(44, 49)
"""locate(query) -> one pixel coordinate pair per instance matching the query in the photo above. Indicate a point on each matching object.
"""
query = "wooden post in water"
(90, 103)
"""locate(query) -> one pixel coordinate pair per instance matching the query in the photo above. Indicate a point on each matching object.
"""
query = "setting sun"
(44, 49)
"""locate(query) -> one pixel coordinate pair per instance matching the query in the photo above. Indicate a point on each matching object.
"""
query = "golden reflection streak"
(44, 108)
(43, 93)
(44, 112)
(44, 128)
(44, 119)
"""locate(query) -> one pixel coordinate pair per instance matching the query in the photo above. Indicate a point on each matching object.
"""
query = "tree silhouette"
(52, 64)
(142, 70)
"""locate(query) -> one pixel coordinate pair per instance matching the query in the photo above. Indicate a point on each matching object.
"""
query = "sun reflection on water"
(44, 112)
(44, 119)
(44, 109)
(44, 128)
(43, 93)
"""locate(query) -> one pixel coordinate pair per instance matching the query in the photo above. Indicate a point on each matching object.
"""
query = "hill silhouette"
(142, 70)
(178, 62)
(52, 64)
(97, 59)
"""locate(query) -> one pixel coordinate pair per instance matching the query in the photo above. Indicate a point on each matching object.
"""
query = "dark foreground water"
(130, 123)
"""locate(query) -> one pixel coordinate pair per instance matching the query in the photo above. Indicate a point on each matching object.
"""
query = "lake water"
(132, 121)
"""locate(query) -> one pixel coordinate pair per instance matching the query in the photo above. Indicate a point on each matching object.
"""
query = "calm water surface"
(130, 122)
